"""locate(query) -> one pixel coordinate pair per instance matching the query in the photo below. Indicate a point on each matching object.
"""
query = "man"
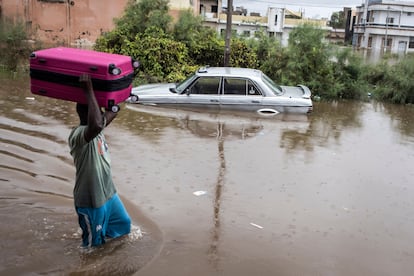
(99, 208)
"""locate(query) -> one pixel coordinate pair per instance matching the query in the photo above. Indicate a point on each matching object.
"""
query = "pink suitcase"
(55, 73)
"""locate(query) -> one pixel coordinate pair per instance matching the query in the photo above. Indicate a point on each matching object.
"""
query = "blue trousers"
(110, 220)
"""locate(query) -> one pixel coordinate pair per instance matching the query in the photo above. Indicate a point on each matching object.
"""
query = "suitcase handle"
(93, 68)
(42, 60)
(42, 91)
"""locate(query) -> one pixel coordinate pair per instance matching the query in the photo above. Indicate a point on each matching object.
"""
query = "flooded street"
(330, 193)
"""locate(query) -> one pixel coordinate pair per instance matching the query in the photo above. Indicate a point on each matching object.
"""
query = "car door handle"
(256, 102)
(214, 101)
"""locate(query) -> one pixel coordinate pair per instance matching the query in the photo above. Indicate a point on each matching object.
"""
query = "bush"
(162, 59)
(14, 46)
(393, 83)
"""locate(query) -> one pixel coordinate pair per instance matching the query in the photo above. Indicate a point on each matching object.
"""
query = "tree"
(204, 45)
(338, 20)
(309, 61)
(13, 44)
(138, 16)
(162, 58)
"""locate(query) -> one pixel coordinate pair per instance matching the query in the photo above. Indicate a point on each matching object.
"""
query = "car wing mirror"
(187, 91)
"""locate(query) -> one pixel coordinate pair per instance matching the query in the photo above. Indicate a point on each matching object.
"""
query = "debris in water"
(199, 193)
(256, 225)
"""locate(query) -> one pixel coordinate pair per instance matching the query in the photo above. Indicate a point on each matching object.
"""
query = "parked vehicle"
(226, 88)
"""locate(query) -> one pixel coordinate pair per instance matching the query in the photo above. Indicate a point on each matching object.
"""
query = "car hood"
(150, 89)
(299, 91)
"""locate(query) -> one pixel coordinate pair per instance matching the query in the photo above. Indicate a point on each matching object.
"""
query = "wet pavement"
(329, 193)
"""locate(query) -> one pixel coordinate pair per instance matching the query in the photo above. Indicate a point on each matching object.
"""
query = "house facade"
(278, 22)
(75, 22)
(386, 26)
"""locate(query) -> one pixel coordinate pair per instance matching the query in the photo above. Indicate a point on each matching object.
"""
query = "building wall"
(65, 22)
(74, 22)
(373, 29)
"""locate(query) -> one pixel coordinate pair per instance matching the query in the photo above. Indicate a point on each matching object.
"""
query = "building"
(278, 22)
(75, 23)
(385, 26)
(64, 22)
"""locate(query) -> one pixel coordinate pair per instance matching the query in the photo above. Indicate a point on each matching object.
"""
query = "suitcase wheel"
(115, 108)
(134, 98)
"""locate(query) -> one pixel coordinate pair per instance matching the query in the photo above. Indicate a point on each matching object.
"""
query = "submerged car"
(226, 88)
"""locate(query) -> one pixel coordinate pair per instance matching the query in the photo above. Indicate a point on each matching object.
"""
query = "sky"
(312, 8)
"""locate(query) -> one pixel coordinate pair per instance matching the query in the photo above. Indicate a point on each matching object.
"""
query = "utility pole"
(386, 30)
(228, 33)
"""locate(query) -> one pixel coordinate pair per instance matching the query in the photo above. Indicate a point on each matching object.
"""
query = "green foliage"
(162, 58)
(241, 55)
(138, 16)
(337, 20)
(349, 75)
(271, 56)
(393, 83)
(309, 61)
(204, 45)
(14, 48)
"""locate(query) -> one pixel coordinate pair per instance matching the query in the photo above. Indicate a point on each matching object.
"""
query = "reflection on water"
(294, 173)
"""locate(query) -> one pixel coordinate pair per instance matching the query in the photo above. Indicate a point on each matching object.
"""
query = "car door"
(202, 93)
(240, 94)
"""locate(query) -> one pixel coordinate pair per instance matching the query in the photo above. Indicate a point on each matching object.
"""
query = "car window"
(252, 89)
(238, 86)
(276, 89)
(206, 85)
(183, 85)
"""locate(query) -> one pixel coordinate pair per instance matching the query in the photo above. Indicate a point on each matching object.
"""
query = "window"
(214, 9)
(370, 42)
(206, 85)
(252, 89)
(275, 19)
(233, 86)
(246, 33)
(389, 42)
(237, 86)
(411, 43)
(390, 20)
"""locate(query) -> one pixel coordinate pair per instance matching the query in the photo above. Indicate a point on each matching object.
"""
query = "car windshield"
(276, 89)
(184, 84)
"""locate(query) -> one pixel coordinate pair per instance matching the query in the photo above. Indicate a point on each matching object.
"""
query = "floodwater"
(331, 193)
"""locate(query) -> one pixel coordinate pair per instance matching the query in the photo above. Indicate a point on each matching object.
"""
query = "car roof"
(229, 71)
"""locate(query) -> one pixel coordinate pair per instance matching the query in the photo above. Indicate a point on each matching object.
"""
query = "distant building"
(385, 26)
(278, 22)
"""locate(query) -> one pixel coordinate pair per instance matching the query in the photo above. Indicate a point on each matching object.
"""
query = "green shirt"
(94, 184)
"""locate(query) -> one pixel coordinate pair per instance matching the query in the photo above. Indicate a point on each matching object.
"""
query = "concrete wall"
(64, 22)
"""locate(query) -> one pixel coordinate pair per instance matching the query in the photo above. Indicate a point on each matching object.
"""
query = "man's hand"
(86, 83)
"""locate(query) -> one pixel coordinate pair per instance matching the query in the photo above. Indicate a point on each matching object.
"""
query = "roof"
(229, 71)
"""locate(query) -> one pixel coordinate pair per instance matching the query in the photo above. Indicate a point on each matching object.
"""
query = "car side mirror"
(187, 91)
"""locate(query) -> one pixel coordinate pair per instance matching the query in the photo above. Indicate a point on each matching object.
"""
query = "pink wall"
(65, 22)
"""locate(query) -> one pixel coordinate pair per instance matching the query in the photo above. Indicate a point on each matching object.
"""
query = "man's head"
(82, 110)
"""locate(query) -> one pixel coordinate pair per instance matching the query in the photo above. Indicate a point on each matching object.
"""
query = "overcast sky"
(311, 8)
